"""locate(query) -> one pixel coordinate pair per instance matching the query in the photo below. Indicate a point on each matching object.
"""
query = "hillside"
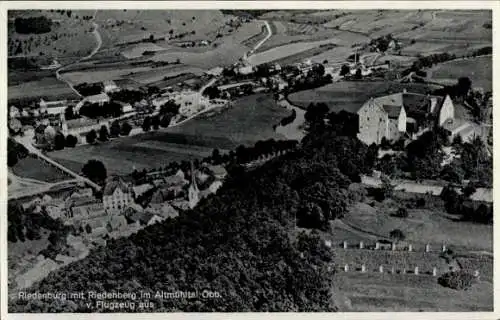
(241, 244)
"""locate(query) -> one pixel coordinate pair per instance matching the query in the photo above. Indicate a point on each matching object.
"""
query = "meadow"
(375, 292)
(350, 95)
(422, 226)
(247, 121)
(33, 168)
(478, 69)
(70, 35)
(48, 88)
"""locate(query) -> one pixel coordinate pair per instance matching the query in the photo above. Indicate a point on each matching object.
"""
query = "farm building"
(53, 107)
(110, 86)
(387, 116)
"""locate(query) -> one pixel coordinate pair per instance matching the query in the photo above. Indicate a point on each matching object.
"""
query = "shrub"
(420, 203)
(402, 213)
(397, 235)
(458, 280)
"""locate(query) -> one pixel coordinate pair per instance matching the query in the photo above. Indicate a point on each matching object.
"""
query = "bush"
(420, 203)
(71, 141)
(402, 213)
(91, 136)
(458, 280)
(397, 235)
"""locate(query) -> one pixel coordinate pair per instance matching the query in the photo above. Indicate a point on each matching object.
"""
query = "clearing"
(350, 95)
(478, 69)
(247, 121)
(34, 168)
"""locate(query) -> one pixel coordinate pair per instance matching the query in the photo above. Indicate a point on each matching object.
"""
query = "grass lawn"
(33, 168)
(350, 95)
(250, 119)
(422, 226)
(478, 69)
(69, 37)
(377, 292)
(49, 88)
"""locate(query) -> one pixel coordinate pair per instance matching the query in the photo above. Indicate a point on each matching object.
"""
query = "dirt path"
(92, 53)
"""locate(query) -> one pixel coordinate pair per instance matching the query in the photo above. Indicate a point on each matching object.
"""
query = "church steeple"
(193, 191)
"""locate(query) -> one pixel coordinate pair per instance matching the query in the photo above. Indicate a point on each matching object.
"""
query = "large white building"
(117, 195)
(387, 116)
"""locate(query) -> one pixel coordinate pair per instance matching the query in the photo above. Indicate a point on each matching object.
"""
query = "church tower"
(64, 125)
(193, 191)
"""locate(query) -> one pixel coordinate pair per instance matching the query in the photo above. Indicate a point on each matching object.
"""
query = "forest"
(33, 25)
(243, 243)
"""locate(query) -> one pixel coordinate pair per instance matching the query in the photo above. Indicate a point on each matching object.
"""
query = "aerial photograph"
(238, 160)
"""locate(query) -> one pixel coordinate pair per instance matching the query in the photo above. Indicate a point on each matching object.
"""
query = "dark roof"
(114, 183)
(392, 111)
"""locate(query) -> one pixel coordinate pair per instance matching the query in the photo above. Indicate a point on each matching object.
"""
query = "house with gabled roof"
(117, 194)
(387, 116)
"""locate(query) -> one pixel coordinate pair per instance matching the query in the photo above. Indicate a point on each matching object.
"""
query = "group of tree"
(238, 242)
(128, 96)
(89, 89)
(104, 134)
(24, 225)
(459, 204)
(95, 171)
(460, 90)
(212, 92)
(15, 152)
(35, 25)
(382, 43)
(96, 110)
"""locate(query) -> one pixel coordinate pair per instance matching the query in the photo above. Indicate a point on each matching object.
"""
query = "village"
(390, 167)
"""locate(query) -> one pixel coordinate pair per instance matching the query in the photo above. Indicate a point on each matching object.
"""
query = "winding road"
(258, 45)
(92, 53)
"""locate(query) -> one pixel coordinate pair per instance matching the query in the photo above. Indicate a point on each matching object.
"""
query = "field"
(350, 95)
(308, 54)
(422, 226)
(70, 36)
(374, 292)
(478, 69)
(33, 168)
(48, 88)
(432, 31)
(250, 119)
(121, 26)
(285, 51)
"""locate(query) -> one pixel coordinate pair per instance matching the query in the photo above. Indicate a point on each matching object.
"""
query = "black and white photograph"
(225, 159)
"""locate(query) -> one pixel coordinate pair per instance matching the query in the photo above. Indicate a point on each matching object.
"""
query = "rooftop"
(114, 183)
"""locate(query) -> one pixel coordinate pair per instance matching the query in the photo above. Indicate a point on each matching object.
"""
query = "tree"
(397, 235)
(59, 141)
(91, 136)
(69, 113)
(316, 113)
(216, 157)
(95, 171)
(402, 213)
(146, 125)
(155, 122)
(387, 188)
(103, 133)
(115, 129)
(358, 74)
(71, 141)
(126, 128)
(458, 280)
(463, 86)
(344, 70)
